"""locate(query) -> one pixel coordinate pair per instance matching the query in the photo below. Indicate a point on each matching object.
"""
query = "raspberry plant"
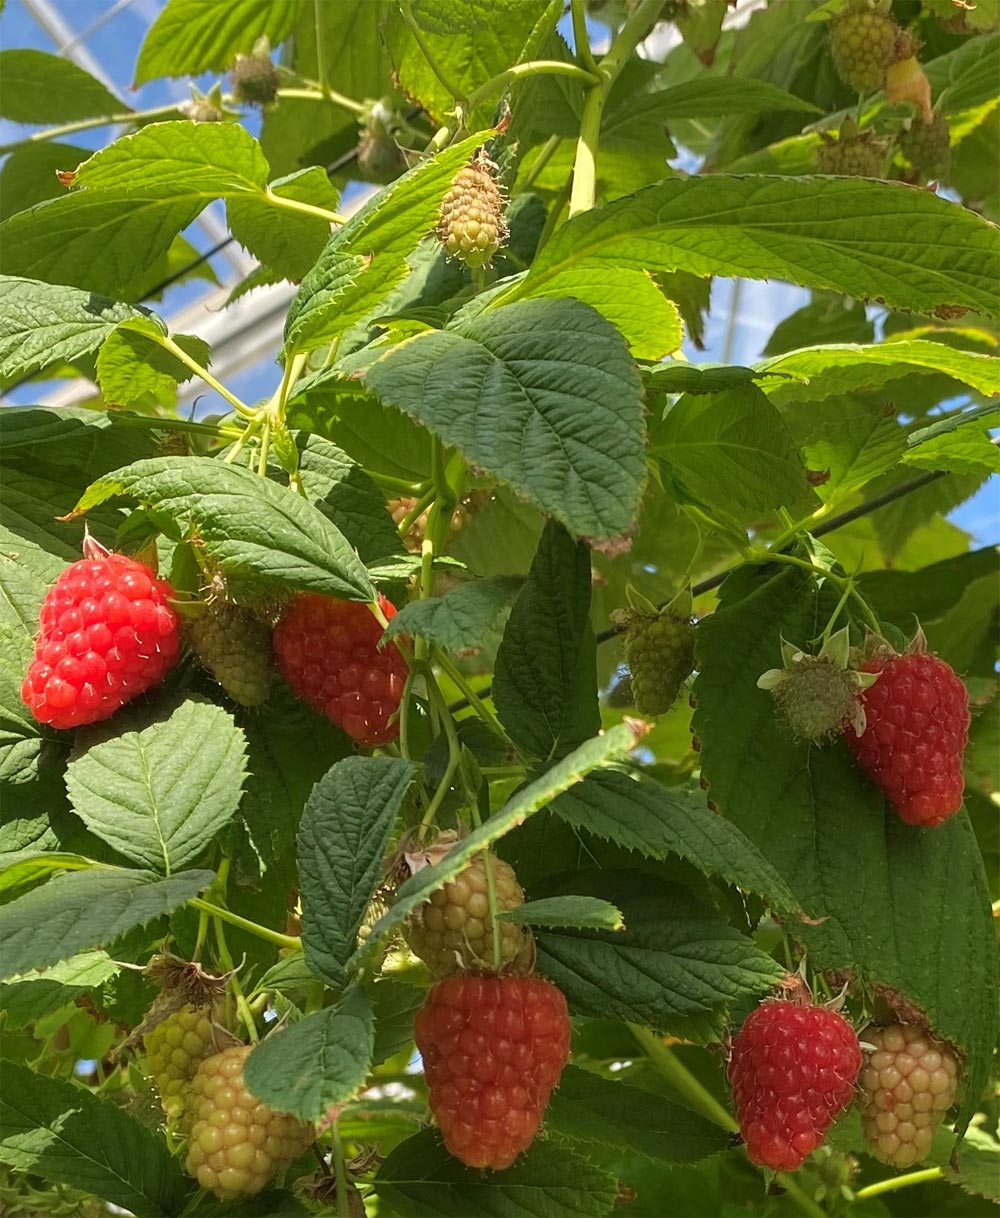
(321, 696)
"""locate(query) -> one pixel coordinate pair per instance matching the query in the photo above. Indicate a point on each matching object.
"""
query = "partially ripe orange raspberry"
(453, 931)
(906, 1086)
(470, 225)
(237, 1144)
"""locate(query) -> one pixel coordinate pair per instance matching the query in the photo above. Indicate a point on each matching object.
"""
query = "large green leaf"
(250, 526)
(86, 909)
(641, 814)
(42, 324)
(465, 619)
(544, 395)
(563, 775)
(837, 369)
(420, 1179)
(35, 994)
(908, 248)
(544, 682)
(677, 965)
(367, 256)
(346, 826)
(598, 1112)
(292, 244)
(192, 36)
(158, 787)
(134, 370)
(846, 855)
(730, 450)
(316, 1063)
(857, 443)
(28, 175)
(63, 1132)
(43, 88)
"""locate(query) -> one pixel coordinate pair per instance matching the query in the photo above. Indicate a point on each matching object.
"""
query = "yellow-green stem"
(323, 95)
(581, 37)
(253, 928)
(925, 1176)
(418, 36)
(545, 155)
(265, 449)
(454, 747)
(532, 67)
(226, 960)
(458, 678)
(306, 209)
(168, 344)
(87, 124)
(340, 1167)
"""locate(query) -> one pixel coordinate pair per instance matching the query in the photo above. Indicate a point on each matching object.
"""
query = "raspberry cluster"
(453, 931)
(107, 635)
(470, 224)
(853, 154)
(907, 1085)
(493, 1048)
(236, 1143)
(255, 80)
(916, 730)
(175, 1048)
(927, 146)
(659, 652)
(327, 650)
(235, 646)
(792, 1071)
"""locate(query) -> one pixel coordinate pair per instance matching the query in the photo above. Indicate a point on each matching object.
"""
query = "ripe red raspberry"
(917, 726)
(453, 932)
(327, 650)
(908, 1084)
(107, 635)
(175, 1048)
(493, 1049)
(792, 1070)
(237, 1143)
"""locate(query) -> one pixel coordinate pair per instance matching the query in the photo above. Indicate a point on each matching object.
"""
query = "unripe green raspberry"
(853, 154)
(452, 932)
(907, 1084)
(175, 1048)
(659, 652)
(471, 225)
(254, 79)
(236, 1143)
(235, 646)
(862, 42)
(927, 146)
(818, 695)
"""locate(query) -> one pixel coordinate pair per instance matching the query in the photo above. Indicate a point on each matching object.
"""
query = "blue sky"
(113, 42)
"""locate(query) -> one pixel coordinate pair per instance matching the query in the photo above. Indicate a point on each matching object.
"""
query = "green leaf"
(560, 777)
(132, 368)
(43, 88)
(63, 1132)
(25, 872)
(542, 394)
(289, 748)
(636, 812)
(43, 324)
(250, 526)
(81, 910)
(316, 1063)
(967, 451)
(630, 300)
(33, 995)
(464, 620)
(341, 489)
(586, 913)
(843, 851)
(98, 240)
(731, 450)
(676, 959)
(366, 258)
(158, 787)
(192, 36)
(676, 376)
(420, 1179)
(594, 1111)
(715, 96)
(858, 444)
(289, 243)
(872, 240)
(544, 682)
(177, 160)
(346, 826)
(838, 369)
(34, 508)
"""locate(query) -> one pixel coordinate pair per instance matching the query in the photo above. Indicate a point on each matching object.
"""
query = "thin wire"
(93, 28)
